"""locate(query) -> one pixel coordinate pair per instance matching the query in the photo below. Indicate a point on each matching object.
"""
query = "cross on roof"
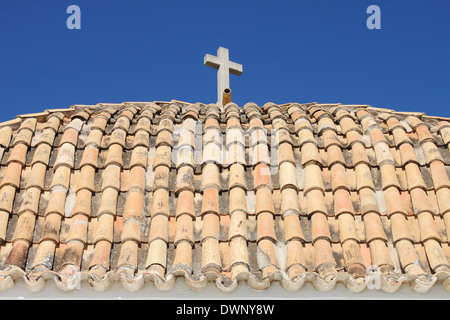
(224, 67)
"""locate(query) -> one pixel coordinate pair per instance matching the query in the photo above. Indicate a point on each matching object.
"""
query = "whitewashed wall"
(180, 291)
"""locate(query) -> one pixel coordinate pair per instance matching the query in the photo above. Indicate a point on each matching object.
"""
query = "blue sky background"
(292, 51)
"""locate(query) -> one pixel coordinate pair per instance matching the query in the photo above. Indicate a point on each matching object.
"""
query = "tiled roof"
(148, 192)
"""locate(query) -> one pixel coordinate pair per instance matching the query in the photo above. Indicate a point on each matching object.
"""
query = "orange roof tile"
(138, 192)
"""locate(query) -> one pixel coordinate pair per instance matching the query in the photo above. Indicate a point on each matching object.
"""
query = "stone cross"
(224, 67)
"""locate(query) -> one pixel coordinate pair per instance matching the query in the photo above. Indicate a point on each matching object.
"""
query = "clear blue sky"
(292, 51)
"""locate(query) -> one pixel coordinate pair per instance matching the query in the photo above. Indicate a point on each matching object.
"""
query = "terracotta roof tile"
(313, 192)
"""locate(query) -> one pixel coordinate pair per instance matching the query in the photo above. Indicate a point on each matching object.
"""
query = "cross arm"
(235, 68)
(211, 61)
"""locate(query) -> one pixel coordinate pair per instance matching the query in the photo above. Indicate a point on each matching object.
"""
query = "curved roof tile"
(150, 191)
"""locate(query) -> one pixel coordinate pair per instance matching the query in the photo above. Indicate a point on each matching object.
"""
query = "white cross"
(224, 66)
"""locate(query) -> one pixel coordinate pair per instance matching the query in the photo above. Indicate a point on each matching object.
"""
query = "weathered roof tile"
(319, 192)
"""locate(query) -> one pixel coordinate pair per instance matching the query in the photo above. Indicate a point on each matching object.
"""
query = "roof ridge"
(41, 116)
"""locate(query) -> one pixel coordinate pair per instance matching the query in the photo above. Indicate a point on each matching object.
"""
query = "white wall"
(181, 291)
